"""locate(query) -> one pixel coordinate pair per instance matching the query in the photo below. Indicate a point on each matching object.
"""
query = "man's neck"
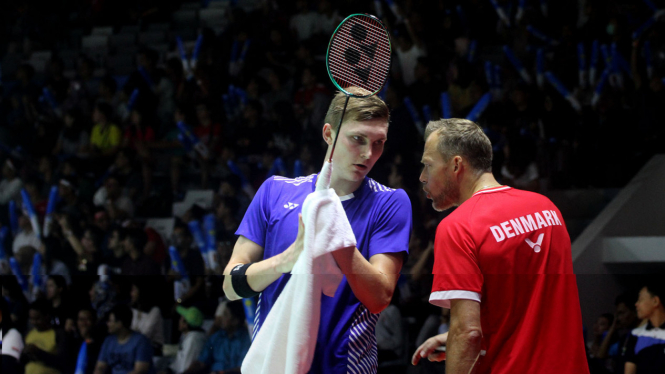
(344, 187)
(658, 318)
(123, 335)
(134, 255)
(473, 185)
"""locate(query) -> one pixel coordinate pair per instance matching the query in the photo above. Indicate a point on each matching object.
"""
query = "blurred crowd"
(246, 102)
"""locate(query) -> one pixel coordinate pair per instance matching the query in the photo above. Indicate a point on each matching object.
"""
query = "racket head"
(359, 55)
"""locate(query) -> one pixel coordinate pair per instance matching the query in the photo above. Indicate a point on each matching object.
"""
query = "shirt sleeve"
(456, 271)
(103, 353)
(143, 350)
(255, 222)
(192, 350)
(12, 344)
(206, 353)
(629, 354)
(392, 229)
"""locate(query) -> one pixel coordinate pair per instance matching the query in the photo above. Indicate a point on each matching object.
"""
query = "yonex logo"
(290, 205)
(536, 245)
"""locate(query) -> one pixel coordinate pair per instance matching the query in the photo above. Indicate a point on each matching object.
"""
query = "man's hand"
(428, 349)
(288, 258)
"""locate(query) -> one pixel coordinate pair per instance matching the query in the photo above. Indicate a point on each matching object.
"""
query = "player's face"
(439, 182)
(359, 146)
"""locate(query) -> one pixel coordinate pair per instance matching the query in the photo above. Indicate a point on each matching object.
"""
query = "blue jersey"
(381, 221)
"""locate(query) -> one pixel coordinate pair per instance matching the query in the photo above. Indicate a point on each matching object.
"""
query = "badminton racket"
(359, 55)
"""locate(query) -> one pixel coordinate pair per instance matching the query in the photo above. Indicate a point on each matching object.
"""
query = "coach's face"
(359, 146)
(439, 176)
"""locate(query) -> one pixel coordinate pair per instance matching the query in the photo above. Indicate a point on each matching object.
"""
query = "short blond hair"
(461, 137)
(358, 109)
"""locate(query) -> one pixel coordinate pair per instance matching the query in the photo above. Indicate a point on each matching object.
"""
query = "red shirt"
(510, 250)
(134, 135)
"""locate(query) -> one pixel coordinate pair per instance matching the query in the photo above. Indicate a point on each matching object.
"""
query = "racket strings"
(360, 54)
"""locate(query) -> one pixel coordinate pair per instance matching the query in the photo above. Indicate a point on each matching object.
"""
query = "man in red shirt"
(502, 264)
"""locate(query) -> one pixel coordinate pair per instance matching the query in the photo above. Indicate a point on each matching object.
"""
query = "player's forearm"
(259, 276)
(372, 287)
(462, 351)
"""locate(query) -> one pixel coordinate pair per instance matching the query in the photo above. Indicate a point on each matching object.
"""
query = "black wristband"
(239, 281)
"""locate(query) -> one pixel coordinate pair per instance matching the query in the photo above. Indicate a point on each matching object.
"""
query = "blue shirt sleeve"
(392, 227)
(206, 353)
(255, 222)
(143, 349)
(103, 353)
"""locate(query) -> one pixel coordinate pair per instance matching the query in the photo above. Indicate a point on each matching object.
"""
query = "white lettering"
(507, 229)
(540, 220)
(548, 217)
(517, 226)
(556, 218)
(498, 234)
(528, 222)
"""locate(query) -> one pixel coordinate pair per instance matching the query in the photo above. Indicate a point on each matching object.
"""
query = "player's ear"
(328, 134)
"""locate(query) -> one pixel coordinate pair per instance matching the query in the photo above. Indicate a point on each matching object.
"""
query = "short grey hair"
(461, 137)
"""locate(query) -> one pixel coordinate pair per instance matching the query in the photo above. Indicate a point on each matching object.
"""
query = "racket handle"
(339, 128)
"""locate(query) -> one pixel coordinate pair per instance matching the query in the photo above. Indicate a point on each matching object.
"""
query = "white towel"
(285, 344)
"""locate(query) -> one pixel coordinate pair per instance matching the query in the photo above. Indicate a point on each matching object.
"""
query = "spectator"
(192, 339)
(125, 170)
(106, 136)
(645, 353)
(11, 340)
(409, 49)
(116, 255)
(111, 197)
(225, 349)
(600, 330)
(139, 136)
(108, 93)
(10, 186)
(146, 316)
(155, 247)
(124, 351)
(45, 346)
(62, 312)
(137, 263)
(613, 347)
(86, 248)
(328, 18)
(102, 225)
(103, 297)
(50, 265)
(87, 331)
(225, 214)
(304, 23)
(69, 203)
(73, 139)
(194, 266)
(26, 237)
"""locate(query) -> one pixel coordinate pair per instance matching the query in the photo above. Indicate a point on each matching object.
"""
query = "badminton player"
(271, 238)
(502, 264)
